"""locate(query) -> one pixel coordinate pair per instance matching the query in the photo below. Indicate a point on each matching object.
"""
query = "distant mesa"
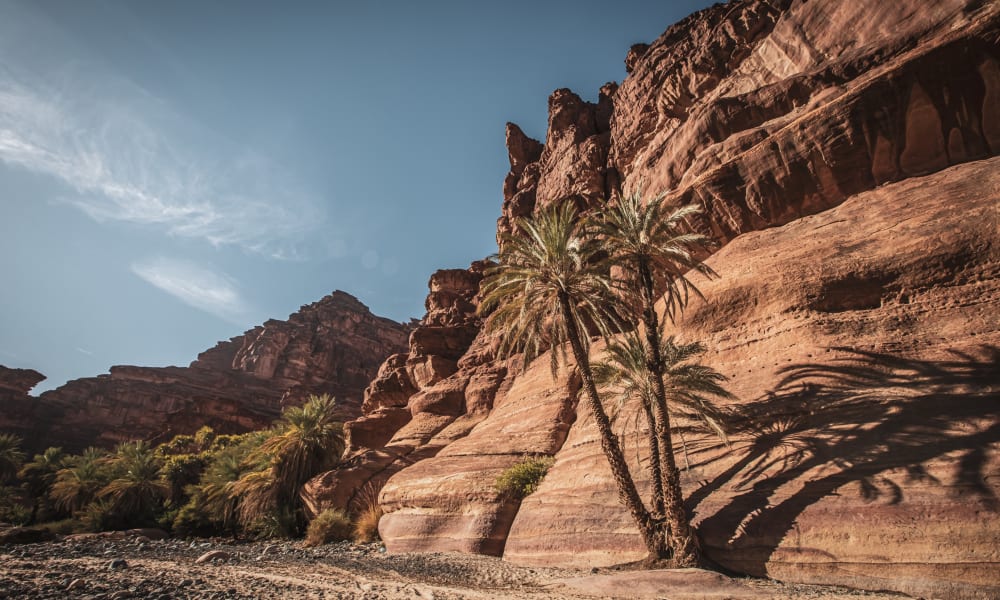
(331, 346)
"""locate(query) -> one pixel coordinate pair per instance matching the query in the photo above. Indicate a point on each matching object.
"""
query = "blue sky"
(174, 173)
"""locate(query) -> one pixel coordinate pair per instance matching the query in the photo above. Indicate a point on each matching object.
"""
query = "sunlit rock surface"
(842, 152)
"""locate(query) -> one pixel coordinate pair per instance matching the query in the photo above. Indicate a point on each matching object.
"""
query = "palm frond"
(623, 374)
(641, 235)
(521, 293)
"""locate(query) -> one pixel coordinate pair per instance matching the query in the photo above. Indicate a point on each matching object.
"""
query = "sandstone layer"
(855, 314)
(863, 346)
(332, 346)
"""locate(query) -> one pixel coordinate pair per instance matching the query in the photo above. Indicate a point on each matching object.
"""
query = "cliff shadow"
(851, 421)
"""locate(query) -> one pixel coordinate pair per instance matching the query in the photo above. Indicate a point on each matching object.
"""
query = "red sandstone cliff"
(332, 346)
(842, 151)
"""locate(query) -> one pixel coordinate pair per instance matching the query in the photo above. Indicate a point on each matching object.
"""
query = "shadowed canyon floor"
(163, 569)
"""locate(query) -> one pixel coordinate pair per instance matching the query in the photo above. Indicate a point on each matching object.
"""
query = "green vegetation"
(523, 478)
(11, 457)
(552, 287)
(647, 244)
(201, 484)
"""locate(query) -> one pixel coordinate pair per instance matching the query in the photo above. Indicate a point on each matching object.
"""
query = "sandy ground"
(136, 567)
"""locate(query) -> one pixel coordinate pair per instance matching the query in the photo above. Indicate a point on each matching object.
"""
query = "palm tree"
(11, 456)
(218, 496)
(309, 439)
(690, 387)
(78, 482)
(137, 489)
(648, 244)
(548, 290)
(39, 475)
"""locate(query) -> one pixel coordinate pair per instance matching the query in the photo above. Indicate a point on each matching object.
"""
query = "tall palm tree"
(549, 289)
(78, 482)
(690, 386)
(650, 244)
(11, 456)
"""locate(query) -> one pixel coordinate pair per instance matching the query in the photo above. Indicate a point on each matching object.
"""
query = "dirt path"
(160, 570)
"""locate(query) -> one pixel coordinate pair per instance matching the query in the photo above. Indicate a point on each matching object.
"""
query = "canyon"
(845, 153)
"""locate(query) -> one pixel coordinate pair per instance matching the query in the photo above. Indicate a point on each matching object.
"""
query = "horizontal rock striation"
(843, 150)
(332, 346)
(863, 346)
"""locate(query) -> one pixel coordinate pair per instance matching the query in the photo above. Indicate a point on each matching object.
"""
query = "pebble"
(118, 563)
(213, 555)
(75, 584)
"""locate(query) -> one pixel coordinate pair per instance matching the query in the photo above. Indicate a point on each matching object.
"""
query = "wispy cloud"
(197, 286)
(127, 156)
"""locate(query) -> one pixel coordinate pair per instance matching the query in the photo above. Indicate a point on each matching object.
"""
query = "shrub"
(366, 527)
(521, 479)
(331, 525)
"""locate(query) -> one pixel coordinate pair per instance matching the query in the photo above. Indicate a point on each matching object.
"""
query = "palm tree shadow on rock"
(852, 420)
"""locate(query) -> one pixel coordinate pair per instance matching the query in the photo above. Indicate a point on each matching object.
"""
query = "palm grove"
(558, 281)
(201, 484)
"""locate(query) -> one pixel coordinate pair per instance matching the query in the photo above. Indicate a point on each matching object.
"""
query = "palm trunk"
(685, 551)
(627, 493)
(654, 461)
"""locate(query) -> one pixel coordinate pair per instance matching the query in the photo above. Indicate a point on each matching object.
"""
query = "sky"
(175, 173)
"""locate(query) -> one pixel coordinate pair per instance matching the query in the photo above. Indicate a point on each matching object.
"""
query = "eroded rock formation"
(332, 346)
(863, 345)
(855, 313)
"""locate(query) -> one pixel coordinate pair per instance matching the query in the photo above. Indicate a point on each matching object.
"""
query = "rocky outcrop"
(15, 386)
(421, 400)
(855, 313)
(332, 346)
(863, 345)
(767, 111)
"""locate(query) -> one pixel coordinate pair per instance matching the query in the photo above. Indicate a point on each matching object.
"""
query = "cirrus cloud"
(127, 156)
(197, 286)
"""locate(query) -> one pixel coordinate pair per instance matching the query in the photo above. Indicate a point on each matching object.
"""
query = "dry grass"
(366, 527)
(367, 512)
(331, 525)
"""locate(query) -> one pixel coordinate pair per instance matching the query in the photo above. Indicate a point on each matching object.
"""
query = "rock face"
(332, 346)
(15, 384)
(421, 400)
(767, 111)
(863, 345)
(842, 150)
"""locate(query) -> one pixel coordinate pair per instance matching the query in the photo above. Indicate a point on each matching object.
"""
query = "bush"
(366, 527)
(331, 525)
(521, 479)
